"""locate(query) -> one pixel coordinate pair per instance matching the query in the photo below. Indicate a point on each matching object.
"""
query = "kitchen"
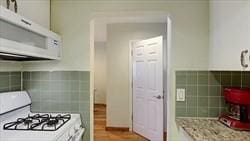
(209, 51)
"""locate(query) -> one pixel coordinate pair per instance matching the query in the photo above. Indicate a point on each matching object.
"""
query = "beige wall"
(71, 18)
(100, 73)
(118, 85)
(10, 66)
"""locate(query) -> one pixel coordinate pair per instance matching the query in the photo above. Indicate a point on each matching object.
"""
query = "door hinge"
(131, 52)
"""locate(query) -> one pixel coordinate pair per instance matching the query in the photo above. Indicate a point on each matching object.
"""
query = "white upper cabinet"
(229, 34)
(35, 10)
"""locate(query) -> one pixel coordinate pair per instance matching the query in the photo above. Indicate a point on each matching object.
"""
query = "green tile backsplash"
(204, 97)
(60, 91)
(10, 81)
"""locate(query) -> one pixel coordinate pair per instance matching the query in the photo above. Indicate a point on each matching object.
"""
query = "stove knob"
(71, 134)
(77, 127)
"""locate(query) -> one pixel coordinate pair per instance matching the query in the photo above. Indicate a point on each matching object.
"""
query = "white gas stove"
(18, 123)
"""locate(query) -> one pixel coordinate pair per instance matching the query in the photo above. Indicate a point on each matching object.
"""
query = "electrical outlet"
(180, 95)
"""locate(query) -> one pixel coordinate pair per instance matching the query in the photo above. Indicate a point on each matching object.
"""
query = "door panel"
(148, 88)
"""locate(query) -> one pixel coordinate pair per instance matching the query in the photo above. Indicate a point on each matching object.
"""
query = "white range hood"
(23, 40)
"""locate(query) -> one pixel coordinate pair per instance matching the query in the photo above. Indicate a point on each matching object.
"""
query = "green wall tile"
(191, 90)
(192, 101)
(10, 81)
(246, 79)
(202, 78)
(214, 112)
(181, 72)
(226, 80)
(203, 101)
(75, 86)
(203, 111)
(214, 78)
(191, 112)
(4, 74)
(59, 91)
(192, 78)
(202, 90)
(5, 81)
(15, 80)
(236, 79)
(181, 79)
(180, 112)
(206, 94)
(75, 75)
(35, 75)
(26, 76)
(214, 102)
(214, 90)
(222, 102)
(44, 75)
(181, 103)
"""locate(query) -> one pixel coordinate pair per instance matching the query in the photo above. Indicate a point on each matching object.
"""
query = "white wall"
(118, 85)
(35, 10)
(100, 73)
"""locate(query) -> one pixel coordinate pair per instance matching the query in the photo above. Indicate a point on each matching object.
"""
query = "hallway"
(100, 134)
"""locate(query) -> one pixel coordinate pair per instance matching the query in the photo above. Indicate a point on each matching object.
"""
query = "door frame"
(131, 44)
(167, 46)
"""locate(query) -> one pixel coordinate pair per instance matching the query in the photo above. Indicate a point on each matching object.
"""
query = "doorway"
(115, 111)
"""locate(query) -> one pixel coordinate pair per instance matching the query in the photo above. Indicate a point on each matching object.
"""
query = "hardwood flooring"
(100, 134)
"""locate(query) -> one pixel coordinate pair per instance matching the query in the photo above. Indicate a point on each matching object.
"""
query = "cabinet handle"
(242, 58)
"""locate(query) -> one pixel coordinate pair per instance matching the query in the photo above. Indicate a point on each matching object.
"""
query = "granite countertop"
(201, 129)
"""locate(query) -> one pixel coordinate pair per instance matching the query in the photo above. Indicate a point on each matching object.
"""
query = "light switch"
(180, 95)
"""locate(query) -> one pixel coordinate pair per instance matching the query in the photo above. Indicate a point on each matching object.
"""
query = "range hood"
(23, 40)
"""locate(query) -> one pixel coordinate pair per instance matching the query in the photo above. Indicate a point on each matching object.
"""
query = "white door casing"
(148, 88)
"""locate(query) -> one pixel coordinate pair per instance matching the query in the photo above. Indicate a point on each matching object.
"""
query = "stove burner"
(38, 122)
(27, 121)
(52, 122)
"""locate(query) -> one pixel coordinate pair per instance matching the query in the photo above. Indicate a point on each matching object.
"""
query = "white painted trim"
(169, 96)
(92, 83)
(131, 45)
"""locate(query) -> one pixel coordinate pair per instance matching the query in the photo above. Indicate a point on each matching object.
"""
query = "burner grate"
(38, 122)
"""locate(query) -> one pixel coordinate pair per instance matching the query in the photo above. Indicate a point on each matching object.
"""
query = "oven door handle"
(78, 135)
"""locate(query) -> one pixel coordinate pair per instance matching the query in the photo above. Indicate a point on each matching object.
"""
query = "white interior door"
(148, 88)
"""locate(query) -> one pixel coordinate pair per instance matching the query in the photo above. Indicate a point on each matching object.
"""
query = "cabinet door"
(229, 33)
(36, 10)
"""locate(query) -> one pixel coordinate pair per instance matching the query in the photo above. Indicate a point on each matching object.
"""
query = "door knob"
(158, 97)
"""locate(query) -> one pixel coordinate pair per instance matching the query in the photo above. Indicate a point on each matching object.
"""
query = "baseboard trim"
(117, 129)
(104, 105)
(165, 136)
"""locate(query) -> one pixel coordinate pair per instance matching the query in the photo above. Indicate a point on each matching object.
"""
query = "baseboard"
(117, 129)
(165, 136)
(99, 104)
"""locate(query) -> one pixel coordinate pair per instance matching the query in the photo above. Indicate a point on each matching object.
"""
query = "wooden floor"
(100, 134)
